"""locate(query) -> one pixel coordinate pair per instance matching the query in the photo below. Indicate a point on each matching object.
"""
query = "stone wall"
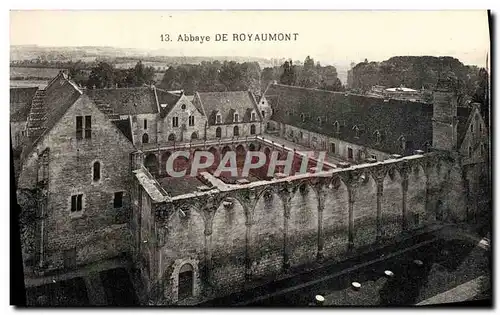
(99, 231)
(248, 235)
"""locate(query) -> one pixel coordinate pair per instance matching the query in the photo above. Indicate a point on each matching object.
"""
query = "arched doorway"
(145, 138)
(151, 163)
(194, 136)
(186, 279)
(218, 132)
(236, 131)
(171, 137)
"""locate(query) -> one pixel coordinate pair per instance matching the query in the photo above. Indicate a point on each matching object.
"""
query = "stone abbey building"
(91, 181)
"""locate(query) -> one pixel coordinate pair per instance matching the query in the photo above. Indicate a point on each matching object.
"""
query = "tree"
(288, 76)
(101, 76)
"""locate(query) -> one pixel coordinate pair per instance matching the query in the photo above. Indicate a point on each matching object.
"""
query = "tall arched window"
(96, 171)
(236, 131)
(252, 129)
(218, 132)
(145, 138)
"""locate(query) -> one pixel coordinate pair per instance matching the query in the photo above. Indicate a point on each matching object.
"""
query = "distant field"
(48, 73)
(28, 83)
(162, 66)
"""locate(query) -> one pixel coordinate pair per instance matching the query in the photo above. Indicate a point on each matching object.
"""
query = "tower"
(444, 117)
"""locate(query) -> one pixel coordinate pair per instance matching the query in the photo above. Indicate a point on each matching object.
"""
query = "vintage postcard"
(251, 158)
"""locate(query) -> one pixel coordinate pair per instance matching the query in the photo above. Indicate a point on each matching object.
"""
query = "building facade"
(93, 187)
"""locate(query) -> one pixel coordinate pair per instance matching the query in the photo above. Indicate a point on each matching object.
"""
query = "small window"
(145, 124)
(480, 128)
(472, 128)
(183, 106)
(252, 129)
(175, 121)
(88, 127)
(332, 147)
(470, 152)
(263, 113)
(218, 132)
(76, 203)
(191, 120)
(194, 136)
(236, 131)
(236, 117)
(118, 200)
(97, 171)
(349, 153)
(79, 127)
(145, 138)
(253, 117)
(218, 119)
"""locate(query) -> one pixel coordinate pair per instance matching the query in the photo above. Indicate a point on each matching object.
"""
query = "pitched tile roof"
(50, 104)
(227, 103)
(20, 103)
(124, 125)
(321, 109)
(166, 100)
(126, 101)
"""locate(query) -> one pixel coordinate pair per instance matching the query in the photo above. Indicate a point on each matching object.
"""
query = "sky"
(334, 37)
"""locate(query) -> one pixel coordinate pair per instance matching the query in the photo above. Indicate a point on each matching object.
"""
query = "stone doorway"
(186, 280)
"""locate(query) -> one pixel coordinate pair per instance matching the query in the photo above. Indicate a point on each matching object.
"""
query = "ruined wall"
(227, 244)
(247, 236)
(302, 233)
(267, 236)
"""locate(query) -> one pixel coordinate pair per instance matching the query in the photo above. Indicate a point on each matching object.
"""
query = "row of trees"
(419, 72)
(105, 75)
(210, 76)
(308, 75)
(213, 76)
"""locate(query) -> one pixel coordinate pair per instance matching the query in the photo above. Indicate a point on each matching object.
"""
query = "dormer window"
(253, 117)
(402, 142)
(356, 131)
(218, 118)
(236, 117)
(336, 125)
(378, 136)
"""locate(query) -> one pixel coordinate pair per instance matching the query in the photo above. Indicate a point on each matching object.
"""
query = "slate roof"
(226, 103)
(20, 103)
(50, 104)
(392, 118)
(124, 125)
(168, 98)
(126, 101)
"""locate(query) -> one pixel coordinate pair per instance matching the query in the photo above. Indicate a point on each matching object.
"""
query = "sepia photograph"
(284, 158)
